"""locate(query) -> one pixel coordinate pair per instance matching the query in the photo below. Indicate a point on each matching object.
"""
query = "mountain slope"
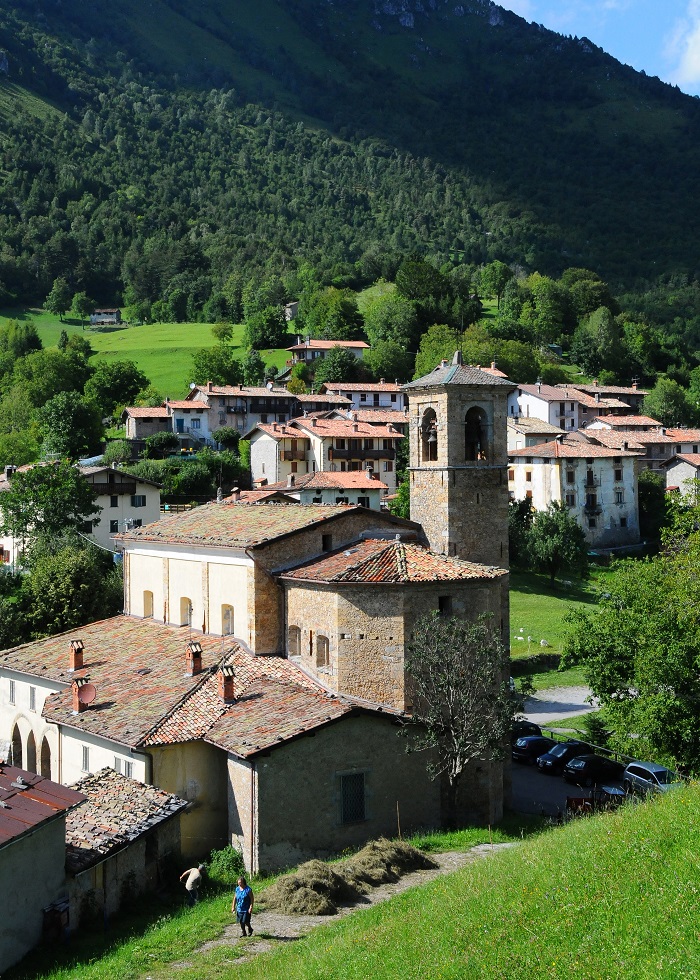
(537, 148)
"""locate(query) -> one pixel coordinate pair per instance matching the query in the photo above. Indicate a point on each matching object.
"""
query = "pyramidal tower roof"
(457, 373)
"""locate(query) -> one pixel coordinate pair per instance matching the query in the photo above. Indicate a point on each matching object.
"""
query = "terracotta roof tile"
(343, 429)
(323, 399)
(629, 421)
(606, 389)
(146, 412)
(233, 525)
(375, 416)
(278, 431)
(117, 811)
(186, 403)
(684, 435)
(692, 458)
(30, 800)
(567, 450)
(330, 344)
(614, 438)
(387, 386)
(389, 562)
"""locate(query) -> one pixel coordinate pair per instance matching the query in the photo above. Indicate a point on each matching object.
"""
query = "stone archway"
(45, 764)
(475, 435)
(17, 755)
(31, 753)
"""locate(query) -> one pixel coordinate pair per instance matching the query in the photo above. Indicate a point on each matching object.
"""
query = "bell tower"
(459, 461)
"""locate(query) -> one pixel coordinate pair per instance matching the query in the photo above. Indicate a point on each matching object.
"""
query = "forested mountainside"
(142, 142)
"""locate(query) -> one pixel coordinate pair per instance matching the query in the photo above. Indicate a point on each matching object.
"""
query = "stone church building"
(258, 669)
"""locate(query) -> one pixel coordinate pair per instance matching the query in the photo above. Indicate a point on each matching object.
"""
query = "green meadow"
(163, 351)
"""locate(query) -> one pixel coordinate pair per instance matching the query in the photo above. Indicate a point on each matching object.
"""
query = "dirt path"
(272, 928)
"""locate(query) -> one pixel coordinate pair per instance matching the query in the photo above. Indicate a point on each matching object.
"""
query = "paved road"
(555, 703)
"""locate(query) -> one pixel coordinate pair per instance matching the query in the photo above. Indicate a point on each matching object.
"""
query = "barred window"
(352, 797)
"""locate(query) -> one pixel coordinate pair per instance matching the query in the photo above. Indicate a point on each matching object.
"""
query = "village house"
(524, 431)
(629, 398)
(105, 317)
(658, 443)
(597, 484)
(682, 474)
(307, 351)
(33, 813)
(363, 488)
(558, 406)
(258, 670)
(319, 444)
(143, 421)
(124, 501)
(383, 394)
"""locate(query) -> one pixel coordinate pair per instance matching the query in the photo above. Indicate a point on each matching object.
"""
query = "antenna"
(87, 694)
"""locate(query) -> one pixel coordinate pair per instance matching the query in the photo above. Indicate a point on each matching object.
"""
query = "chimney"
(78, 705)
(624, 446)
(539, 385)
(313, 422)
(235, 493)
(226, 676)
(355, 427)
(75, 657)
(290, 480)
(457, 359)
(194, 658)
(390, 427)
(381, 381)
(210, 386)
(493, 365)
(443, 363)
(370, 473)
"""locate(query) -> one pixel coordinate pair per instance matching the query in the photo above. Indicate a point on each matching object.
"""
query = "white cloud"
(683, 47)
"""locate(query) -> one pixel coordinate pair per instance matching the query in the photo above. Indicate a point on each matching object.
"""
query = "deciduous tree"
(46, 501)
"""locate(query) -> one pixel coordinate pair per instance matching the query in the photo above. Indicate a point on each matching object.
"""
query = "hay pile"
(317, 888)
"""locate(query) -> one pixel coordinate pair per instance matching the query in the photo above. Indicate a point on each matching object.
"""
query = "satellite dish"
(87, 694)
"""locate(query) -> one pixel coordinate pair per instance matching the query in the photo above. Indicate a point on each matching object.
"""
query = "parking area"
(542, 794)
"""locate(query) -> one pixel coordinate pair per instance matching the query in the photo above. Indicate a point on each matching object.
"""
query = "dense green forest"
(147, 153)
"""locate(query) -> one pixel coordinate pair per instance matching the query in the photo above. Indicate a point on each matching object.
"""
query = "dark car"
(557, 757)
(522, 728)
(529, 747)
(589, 770)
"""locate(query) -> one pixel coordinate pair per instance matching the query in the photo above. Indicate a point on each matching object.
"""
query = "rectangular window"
(294, 467)
(393, 398)
(114, 500)
(571, 500)
(618, 476)
(562, 408)
(13, 693)
(591, 522)
(363, 501)
(196, 424)
(117, 764)
(138, 523)
(138, 500)
(114, 527)
(263, 418)
(528, 476)
(623, 522)
(32, 698)
(129, 769)
(619, 496)
(363, 397)
(369, 443)
(389, 467)
(511, 474)
(85, 766)
(570, 476)
(340, 443)
(326, 542)
(386, 444)
(445, 605)
(352, 797)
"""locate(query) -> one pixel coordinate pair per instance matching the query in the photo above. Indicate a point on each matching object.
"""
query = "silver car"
(648, 777)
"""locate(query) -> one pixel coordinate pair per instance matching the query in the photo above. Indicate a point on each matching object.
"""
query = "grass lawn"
(163, 351)
(157, 934)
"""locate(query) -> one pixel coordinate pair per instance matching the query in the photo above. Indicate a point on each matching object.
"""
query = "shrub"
(226, 866)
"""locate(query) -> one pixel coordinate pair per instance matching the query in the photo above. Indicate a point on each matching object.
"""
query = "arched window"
(45, 758)
(31, 753)
(429, 436)
(227, 620)
(148, 605)
(293, 641)
(185, 612)
(475, 435)
(17, 757)
(322, 651)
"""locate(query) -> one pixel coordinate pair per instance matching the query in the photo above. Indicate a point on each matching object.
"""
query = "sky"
(660, 37)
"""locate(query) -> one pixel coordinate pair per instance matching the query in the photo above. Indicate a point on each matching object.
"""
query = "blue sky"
(660, 37)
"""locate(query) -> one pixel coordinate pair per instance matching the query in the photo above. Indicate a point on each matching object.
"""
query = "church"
(258, 669)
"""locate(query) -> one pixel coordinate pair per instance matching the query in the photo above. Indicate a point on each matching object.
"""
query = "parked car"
(588, 770)
(557, 757)
(528, 748)
(648, 777)
(522, 728)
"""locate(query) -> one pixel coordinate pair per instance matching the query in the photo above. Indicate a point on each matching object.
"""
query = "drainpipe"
(252, 818)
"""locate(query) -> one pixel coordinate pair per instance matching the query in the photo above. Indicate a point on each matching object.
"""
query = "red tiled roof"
(343, 428)
(116, 812)
(186, 403)
(330, 344)
(146, 412)
(256, 496)
(590, 402)
(29, 801)
(270, 712)
(194, 716)
(389, 562)
(628, 421)
(692, 458)
(240, 526)
(278, 431)
(375, 416)
(567, 450)
(244, 391)
(390, 386)
(323, 399)
(684, 435)
(608, 389)
(613, 438)
(326, 479)
(496, 372)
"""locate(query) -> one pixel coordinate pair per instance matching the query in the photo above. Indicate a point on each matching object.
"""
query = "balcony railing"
(362, 454)
(290, 455)
(591, 508)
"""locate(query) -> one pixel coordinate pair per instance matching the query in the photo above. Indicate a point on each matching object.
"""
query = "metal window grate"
(352, 791)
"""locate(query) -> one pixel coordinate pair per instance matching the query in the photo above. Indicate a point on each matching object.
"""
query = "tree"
(668, 403)
(71, 583)
(227, 437)
(463, 708)
(389, 359)
(333, 314)
(117, 451)
(639, 649)
(82, 306)
(401, 507)
(556, 542)
(46, 501)
(392, 317)
(218, 364)
(58, 300)
(160, 444)
(70, 425)
(18, 339)
(439, 341)
(419, 280)
(253, 368)
(520, 515)
(115, 383)
(266, 329)
(43, 373)
(494, 278)
(652, 500)
(339, 364)
(18, 448)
